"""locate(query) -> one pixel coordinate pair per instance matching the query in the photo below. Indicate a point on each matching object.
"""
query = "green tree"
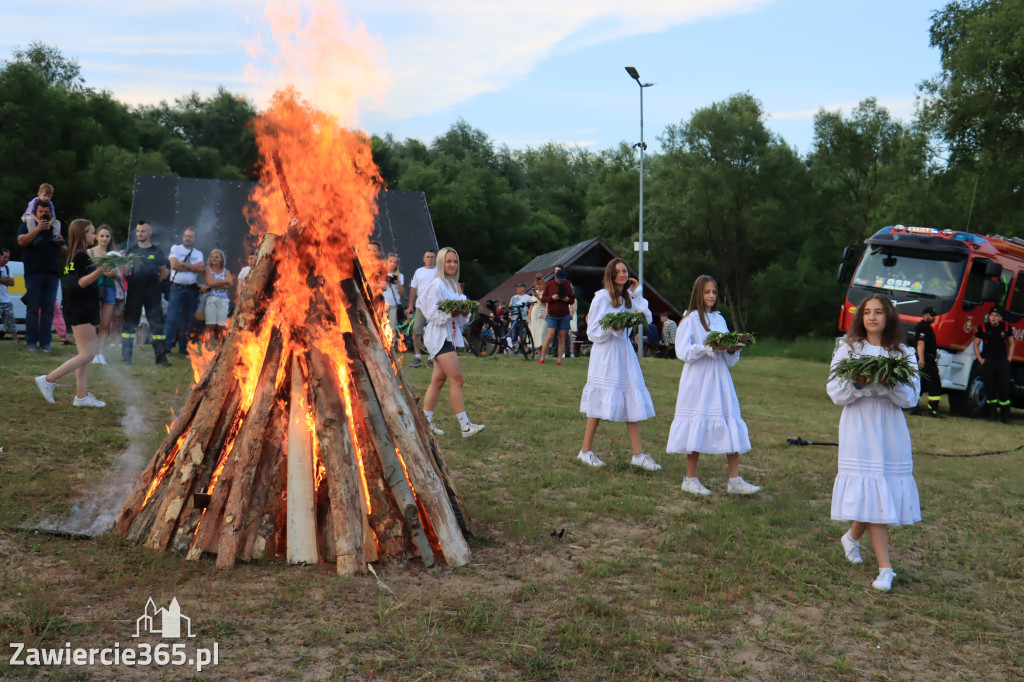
(976, 105)
(54, 67)
(724, 192)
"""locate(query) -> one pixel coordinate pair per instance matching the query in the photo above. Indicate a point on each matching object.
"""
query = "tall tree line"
(724, 196)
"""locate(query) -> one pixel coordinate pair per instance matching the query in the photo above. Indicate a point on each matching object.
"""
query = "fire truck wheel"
(971, 401)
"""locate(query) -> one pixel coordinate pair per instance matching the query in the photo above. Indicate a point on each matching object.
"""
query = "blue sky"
(525, 73)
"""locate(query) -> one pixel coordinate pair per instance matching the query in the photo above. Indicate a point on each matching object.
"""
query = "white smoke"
(97, 511)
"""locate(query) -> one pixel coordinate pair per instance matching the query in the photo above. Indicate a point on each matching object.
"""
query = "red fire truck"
(962, 276)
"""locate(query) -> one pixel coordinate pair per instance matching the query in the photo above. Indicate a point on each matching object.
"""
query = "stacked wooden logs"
(251, 483)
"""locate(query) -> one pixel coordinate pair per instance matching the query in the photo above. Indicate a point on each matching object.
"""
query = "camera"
(44, 216)
(392, 279)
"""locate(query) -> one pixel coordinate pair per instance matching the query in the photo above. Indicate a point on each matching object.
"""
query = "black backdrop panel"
(216, 208)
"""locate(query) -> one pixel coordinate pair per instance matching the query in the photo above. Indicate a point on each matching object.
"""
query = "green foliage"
(629, 319)
(975, 104)
(874, 369)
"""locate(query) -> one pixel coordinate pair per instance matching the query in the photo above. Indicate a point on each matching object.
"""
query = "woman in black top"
(994, 357)
(82, 313)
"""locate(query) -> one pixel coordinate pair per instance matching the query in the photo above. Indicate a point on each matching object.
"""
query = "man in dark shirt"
(927, 361)
(993, 346)
(43, 266)
(558, 296)
(144, 290)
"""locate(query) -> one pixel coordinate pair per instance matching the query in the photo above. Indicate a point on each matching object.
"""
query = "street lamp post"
(640, 246)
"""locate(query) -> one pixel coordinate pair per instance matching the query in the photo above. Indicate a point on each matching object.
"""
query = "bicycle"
(487, 333)
(520, 338)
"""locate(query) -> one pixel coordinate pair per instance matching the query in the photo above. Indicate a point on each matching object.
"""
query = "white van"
(16, 292)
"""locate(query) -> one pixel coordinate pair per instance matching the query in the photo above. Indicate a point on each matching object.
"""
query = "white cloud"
(899, 106)
(448, 52)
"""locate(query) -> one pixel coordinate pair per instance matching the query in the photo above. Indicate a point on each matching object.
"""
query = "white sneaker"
(852, 548)
(436, 431)
(102, 360)
(645, 461)
(89, 401)
(883, 583)
(694, 487)
(472, 429)
(588, 457)
(95, 360)
(737, 486)
(46, 388)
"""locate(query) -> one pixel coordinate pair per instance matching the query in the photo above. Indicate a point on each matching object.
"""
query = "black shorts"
(75, 316)
(446, 347)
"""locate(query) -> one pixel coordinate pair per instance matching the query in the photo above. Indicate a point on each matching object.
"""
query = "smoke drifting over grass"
(96, 512)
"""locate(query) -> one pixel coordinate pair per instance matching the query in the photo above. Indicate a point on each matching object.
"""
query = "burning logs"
(300, 441)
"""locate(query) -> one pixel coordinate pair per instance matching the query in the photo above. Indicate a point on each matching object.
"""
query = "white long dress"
(440, 326)
(875, 482)
(707, 417)
(615, 388)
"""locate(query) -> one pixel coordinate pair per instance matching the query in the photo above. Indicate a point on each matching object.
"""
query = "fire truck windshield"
(914, 273)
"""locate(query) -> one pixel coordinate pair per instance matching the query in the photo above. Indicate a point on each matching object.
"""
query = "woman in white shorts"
(218, 281)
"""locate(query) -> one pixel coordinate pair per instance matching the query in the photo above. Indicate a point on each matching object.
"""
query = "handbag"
(201, 308)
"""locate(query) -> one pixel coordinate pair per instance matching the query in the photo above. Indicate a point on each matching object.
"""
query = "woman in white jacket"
(442, 335)
(615, 388)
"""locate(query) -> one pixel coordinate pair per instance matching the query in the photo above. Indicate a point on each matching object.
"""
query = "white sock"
(738, 478)
(692, 479)
(463, 419)
(430, 415)
(418, 357)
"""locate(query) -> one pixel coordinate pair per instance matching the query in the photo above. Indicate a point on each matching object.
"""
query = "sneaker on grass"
(416, 362)
(472, 429)
(852, 548)
(737, 486)
(46, 388)
(589, 458)
(695, 487)
(89, 401)
(883, 583)
(645, 461)
(434, 430)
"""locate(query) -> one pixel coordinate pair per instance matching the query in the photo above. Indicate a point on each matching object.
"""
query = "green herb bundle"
(118, 261)
(454, 305)
(876, 369)
(624, 320)
(730, 339)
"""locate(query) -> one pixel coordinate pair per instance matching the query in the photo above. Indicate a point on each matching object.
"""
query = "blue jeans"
(183, 300)
(40, 297)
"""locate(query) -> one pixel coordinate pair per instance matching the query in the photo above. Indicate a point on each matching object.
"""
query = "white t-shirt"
(242, 274)
(5, 271)
(420, 280)
(391, 296)
(178, 276)
(525, 300)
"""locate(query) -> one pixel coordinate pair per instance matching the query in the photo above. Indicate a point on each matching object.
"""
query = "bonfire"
(301, 438)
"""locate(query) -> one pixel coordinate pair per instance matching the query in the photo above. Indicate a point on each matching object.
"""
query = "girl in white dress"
(875, 485)
(707, 415)
(442, 335)
(615, 387)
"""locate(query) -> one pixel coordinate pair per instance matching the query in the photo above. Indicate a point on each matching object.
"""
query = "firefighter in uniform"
(927, 356)
(993, 346)
(144, 289)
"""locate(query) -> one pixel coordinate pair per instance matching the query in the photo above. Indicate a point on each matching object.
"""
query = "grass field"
(645, 583)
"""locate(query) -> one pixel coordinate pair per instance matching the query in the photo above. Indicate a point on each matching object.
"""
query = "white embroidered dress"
(707, 417)
(440, 326)
(875, 482)
(615, 388)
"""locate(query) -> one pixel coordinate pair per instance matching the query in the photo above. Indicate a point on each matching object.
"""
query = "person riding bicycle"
(520, 304)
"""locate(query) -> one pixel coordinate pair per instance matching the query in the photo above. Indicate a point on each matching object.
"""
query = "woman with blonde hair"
(615, 389)
(218, 282)
(82, 313)
(442, 335)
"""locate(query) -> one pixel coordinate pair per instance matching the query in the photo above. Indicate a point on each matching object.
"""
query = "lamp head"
(631, 70)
